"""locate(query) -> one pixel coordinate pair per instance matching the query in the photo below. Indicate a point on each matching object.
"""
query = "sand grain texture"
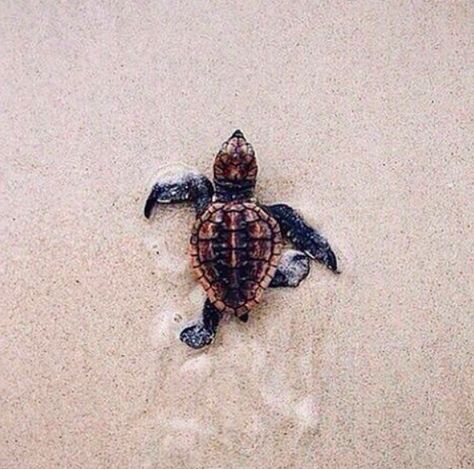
(361, 115)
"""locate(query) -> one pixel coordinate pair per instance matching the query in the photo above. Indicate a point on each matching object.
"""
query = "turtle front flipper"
(293, 268)
(180, 185)
(303, 236)
(203, 333)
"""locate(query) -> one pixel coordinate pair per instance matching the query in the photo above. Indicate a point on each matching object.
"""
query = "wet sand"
(361, 116)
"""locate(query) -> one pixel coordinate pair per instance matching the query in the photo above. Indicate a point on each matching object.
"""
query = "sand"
(361, 115)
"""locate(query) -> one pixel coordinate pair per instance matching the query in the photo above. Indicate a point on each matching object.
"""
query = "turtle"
(237, 244)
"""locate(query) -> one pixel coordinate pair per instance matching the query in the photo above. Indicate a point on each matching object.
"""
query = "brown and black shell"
(235, 248)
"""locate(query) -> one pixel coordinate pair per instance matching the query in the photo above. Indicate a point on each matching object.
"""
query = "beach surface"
(361, 116)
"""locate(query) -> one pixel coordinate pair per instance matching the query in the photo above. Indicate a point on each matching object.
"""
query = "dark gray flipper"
(303, 236)
(204, 332)
(183, 186)
(293, 267)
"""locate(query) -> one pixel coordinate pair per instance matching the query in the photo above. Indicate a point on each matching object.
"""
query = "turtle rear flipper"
(203, 333)
(197, 336)
(292, 269)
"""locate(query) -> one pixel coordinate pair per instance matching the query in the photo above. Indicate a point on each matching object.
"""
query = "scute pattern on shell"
(235, 248)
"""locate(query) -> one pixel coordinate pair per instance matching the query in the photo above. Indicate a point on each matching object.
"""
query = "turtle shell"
(235, 248)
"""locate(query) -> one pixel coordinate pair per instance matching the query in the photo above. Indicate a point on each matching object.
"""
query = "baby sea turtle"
(236, 244)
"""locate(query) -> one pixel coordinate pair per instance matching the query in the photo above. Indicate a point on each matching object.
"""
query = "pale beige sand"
(362, 117)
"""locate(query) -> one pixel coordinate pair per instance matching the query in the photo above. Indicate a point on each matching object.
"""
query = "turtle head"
(235, 168)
